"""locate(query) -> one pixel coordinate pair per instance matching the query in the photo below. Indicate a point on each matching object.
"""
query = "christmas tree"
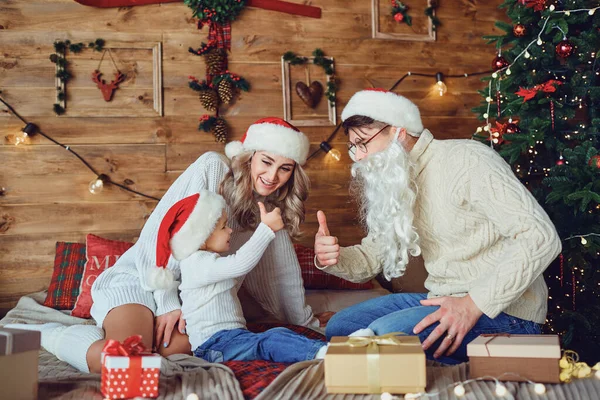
(541, 112)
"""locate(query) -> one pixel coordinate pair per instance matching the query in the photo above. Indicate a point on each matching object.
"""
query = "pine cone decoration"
(220, 131)
(209, 99)
(216, 61)
(225, 90)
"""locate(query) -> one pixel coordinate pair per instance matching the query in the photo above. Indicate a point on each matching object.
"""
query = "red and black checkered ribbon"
(220, 35)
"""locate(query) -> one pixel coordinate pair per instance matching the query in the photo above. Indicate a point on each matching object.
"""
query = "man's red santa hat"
(385, 106)
(184, 229)
(273, 135)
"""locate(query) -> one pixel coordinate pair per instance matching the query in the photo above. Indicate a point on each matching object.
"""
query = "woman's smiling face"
(270, 172)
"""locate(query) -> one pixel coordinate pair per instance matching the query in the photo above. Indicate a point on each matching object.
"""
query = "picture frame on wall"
(144, 99)
(383, 25)
(301, 109)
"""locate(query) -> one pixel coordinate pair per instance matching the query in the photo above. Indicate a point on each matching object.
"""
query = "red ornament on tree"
(499, 62)
(595, 161)
(564, 48)
(511, 128)
(519, 30)
(399, 17)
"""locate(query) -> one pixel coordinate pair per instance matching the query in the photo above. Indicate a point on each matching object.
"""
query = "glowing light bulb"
(508, 71)
(539, 388)
(479, 129)
(459, 390)
(440, 86)
(488, 99)
(567, 13)
(539, 42)
(583, 241)
(500, 390)
(96, 186)
(552, 7)
(494, 75)
(527, 55)
(335, 154)
(21, 137)
(592, 11)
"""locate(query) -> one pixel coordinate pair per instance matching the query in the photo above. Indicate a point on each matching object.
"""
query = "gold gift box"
(391, 363)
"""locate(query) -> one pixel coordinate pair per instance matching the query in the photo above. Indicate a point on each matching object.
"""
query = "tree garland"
(59, 58)
(320, 60)
(219, 11)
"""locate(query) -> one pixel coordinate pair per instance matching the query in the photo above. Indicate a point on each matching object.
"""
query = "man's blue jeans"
(401, 312)
(276, 344)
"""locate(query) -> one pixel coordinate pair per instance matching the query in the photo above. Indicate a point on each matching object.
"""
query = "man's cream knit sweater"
(482, 233)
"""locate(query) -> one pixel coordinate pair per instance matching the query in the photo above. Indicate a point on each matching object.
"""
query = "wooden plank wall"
(45, 197)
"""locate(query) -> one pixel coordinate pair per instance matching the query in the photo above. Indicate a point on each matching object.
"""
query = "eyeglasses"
(362, 146)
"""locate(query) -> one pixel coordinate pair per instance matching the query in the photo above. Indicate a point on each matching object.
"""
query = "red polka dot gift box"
(129, 371)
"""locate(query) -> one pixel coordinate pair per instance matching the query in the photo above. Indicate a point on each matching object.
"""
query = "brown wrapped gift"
(389, 363)
(19, 350)
(515, 357)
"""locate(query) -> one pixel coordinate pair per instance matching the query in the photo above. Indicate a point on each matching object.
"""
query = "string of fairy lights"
(100, 180)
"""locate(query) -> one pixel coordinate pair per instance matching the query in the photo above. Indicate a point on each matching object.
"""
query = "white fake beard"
(386, 195)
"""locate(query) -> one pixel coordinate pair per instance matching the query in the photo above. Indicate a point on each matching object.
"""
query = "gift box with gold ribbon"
(128, 370)
(515, 357)
(393, 363)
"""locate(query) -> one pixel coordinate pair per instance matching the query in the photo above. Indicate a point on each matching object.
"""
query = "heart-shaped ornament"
(310, 95)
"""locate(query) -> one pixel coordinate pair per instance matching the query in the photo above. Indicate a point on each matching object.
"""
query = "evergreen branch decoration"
(59, 58)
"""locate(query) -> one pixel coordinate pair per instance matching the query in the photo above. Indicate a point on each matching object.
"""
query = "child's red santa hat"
(273, 135)
(184, 229)
(385, 106)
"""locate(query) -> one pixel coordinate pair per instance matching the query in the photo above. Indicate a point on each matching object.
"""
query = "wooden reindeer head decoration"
(108, 89)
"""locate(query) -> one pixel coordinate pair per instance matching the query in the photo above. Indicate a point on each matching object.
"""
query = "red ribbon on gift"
(134, 348)
(547, 87)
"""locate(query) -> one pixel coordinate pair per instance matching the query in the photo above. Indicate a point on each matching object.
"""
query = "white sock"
(321, 353)
(363, 332)
(67, 343)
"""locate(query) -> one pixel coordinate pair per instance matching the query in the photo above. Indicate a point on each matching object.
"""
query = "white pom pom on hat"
(184, 228)
(273, 135)
(385, 106)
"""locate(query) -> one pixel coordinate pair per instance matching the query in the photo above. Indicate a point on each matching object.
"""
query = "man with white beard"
(484, 238)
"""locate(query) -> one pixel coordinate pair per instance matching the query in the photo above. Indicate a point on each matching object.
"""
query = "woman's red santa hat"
(184, 229)
(385, 106)
(273, 135)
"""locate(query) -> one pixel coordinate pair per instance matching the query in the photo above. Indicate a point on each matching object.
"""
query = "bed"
(182, 375)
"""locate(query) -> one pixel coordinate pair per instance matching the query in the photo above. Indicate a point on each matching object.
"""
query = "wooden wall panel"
(44, 196)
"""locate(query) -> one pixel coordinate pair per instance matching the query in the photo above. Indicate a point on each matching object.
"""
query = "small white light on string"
(479, 129)
(592, 11)
(459, 390)
(539, 388)
(552, 8)
(486, 128)
(583, 241)
(567, 13)
(488, 99)
(500, 390)
(527, 55)
(508, 71)
(486, 115)
(192, 396)
(539, 42)
(386, 396)
(494, 75)
(97, 184)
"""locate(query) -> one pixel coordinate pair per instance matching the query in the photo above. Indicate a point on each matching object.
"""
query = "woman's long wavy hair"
(238, 190)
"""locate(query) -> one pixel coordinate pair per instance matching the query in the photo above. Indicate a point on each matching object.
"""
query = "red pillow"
(314, 278)
(69, 261)
(101, 254)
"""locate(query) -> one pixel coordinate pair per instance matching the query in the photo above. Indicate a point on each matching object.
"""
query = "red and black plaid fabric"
(69, 262)
(220, 35)
(255, 376)
(314, 278)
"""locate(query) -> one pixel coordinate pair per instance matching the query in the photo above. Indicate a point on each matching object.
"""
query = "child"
(195, 231)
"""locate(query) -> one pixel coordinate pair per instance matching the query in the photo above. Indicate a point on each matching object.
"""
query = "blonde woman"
(129, 299)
